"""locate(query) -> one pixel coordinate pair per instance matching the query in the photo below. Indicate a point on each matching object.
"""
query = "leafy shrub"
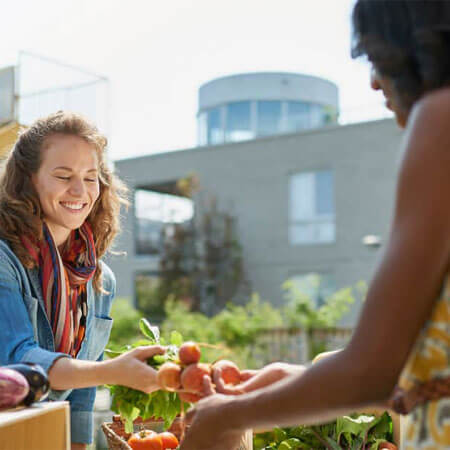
(229, 334)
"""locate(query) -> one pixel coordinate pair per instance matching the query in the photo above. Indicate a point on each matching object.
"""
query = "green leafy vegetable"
(147, 330)
(131, 403)
(355, 432)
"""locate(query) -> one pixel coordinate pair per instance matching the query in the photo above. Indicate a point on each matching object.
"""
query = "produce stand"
(42, 426)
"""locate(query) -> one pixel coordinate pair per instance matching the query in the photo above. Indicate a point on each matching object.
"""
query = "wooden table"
(42, 426)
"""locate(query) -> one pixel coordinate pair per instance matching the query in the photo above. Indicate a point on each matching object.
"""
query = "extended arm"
(399, 301)
(129, 369)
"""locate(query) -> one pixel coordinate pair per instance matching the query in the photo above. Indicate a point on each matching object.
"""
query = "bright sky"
(156, 54)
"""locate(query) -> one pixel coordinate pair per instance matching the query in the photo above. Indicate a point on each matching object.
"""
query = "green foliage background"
(233, 333)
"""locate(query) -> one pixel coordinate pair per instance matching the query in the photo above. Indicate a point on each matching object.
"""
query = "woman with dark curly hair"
(399, 355)
(59, 214)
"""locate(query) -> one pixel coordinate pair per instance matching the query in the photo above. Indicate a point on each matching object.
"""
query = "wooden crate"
(42, 426)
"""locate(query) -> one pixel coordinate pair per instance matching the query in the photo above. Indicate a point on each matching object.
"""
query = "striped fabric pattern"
(63, 280)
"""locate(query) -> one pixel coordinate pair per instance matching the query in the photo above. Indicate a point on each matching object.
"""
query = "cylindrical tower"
(246, 106)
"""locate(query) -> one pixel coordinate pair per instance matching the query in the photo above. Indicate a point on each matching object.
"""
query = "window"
(238, 126)
(312, 216)
(154, 210)
(202, 124)
(6, 94)
(317, 116)
(297, 116)
(317, 286)
(269, 118)
(215, 130)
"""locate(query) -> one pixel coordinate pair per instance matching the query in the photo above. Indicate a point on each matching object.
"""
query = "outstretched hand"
(256, 379)
(208, 425)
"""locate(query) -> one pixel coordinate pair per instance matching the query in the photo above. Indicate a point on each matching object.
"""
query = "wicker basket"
(114, 439)
(117, 438)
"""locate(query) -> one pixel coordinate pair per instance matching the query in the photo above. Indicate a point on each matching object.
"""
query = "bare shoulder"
(435, 102)
(427, 138)
(430, 119)
(424, 178)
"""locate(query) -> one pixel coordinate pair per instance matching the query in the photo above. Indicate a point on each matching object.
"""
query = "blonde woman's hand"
(131, 369)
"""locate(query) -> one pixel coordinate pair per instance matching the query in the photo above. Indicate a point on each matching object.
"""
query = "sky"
(156, 54)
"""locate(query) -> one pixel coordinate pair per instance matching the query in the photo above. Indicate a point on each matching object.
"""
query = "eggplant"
(14, 387)
(37, 380)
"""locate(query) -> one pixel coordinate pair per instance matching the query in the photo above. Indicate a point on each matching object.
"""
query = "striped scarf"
(63, 280)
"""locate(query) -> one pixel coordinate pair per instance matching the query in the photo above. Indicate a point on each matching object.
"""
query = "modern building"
(308, 193)
(247, 106)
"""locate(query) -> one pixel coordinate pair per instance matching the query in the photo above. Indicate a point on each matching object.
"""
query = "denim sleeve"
(17, 342)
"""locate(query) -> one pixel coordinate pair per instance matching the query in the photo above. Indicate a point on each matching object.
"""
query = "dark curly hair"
(407, 41)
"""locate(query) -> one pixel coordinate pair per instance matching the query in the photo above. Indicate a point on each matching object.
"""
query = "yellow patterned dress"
(428, 426)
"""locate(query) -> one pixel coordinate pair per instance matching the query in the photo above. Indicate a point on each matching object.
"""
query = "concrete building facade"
(258, 182)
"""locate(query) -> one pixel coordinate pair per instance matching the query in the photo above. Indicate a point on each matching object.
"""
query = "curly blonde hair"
(20, 209)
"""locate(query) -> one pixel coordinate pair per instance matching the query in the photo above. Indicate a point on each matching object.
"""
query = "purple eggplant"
(14, 387)
(37, 380)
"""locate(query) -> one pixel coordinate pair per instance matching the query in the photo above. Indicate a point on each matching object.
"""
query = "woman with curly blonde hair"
(59, 215)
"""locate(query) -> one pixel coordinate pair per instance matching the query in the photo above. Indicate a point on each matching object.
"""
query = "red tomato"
(145, 440)
(387, 446)
(169, 440)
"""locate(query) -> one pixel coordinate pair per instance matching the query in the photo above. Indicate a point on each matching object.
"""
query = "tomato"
(189, 397)
(145, 440)
(387, 446)
(169, 440)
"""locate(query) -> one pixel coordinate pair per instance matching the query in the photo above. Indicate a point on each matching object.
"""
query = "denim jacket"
(26, 335)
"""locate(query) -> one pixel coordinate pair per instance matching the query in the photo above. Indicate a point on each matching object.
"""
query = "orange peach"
(192, 377)
(188, 397)
(227, 370)
(169, 375)
(189, 353)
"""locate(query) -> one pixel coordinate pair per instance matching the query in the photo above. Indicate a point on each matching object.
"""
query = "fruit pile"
(150, 440)
(187, 376)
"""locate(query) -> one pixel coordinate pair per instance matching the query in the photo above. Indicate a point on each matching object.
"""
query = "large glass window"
(238, 126)
(202, 125)
(312, 214)
(215, 129)
(297, 116)
(268, 118)
(154, 211)
(318, 116)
